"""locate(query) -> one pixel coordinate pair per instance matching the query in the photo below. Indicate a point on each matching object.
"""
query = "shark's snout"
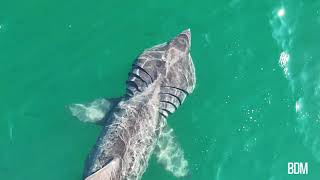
(183, 41)
(187, 35)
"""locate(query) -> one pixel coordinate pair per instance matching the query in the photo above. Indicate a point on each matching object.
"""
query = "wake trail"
(304, 85)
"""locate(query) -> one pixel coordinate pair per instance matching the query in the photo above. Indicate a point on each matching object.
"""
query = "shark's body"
(158, 83)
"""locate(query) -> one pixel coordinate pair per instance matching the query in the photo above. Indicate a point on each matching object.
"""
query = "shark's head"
(182, 42)
(171, 61)
(180, 71)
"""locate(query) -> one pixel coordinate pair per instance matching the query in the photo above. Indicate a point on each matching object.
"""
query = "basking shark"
(158, 83)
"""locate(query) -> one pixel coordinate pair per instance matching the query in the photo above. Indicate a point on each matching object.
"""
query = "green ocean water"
(253, 109)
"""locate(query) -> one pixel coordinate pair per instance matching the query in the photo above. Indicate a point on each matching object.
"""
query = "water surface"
(256, 106)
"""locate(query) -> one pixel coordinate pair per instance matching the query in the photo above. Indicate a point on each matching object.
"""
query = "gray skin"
(158, 83)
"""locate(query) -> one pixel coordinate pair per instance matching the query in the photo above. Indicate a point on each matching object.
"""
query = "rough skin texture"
(158, 83)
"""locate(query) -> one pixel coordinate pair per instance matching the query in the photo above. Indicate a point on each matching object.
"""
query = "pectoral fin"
(169, 153)
(95, 111)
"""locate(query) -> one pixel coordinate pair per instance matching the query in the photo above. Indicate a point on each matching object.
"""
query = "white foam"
(298, 106)
(305, 83)
(282, 28)
(283, 62)
(281, 12)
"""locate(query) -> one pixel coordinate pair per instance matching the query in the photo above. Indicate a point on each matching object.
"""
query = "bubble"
(283, 62)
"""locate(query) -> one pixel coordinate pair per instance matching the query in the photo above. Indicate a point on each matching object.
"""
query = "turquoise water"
(255, 108)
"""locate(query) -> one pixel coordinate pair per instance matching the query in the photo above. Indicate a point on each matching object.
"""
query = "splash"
(283, 62)
(304, 85)
(307, 109)
(170, 155)
(298, 106)
(283, 24)
(91, 112)
(281, 12)
(282, 30)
